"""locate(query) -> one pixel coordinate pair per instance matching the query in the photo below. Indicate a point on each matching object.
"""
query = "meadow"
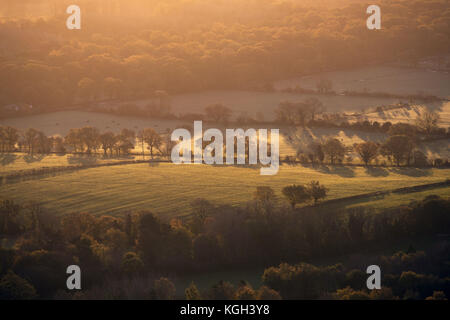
(381, 78)
(168, 189)
(13, 162)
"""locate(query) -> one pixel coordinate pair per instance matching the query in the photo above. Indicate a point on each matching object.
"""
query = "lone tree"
(264, 194)
(428, 121)
(316, 191)
(334, 149)
(400, 148)
(367, 151)
(296, 194)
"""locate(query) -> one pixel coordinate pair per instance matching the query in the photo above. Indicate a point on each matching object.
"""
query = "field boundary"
(403, 190)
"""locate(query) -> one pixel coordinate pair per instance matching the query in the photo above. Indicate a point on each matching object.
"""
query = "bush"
(13, 287)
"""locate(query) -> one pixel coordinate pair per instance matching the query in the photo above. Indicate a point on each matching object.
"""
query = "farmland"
(291, 141)
(14, 162)
(380, 79)
(168, 189)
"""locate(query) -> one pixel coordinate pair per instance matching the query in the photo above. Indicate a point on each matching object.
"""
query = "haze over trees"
(228, 45)
(428, 121)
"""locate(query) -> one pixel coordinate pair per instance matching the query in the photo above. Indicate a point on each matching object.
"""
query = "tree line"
(400, 148)
(84, 140)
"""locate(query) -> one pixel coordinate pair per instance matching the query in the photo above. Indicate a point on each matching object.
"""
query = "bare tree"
(125, 141)
(73, 139)
(11, 137)
(218, 113)
(314, 107)
(153, 140)
(107, 141)
(90, 138)
(428, 121)
(30, 138)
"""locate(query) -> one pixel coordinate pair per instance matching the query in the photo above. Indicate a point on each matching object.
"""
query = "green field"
(168, 189)
(397, 199)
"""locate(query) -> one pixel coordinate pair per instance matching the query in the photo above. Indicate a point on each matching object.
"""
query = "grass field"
(407, 114)
(396, 199)
(380, 79)
(13, 162)
(376, 78)
(168, 189)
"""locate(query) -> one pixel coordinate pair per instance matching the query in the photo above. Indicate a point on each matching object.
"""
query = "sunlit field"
(349, 103)
(168, 189)
(391, 79)
(14, 162)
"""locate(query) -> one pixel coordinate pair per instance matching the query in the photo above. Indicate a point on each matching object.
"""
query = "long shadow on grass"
(153, 163)
(377, 172)
(412, 172)
(239, 166)
(82, 159)
(7, 158)
(342, 171)
(30, 158)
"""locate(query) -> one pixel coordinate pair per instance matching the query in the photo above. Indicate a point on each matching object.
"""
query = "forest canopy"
(128, 49)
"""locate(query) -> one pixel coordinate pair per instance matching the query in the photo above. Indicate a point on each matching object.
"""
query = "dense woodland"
(181, 46)
(134, 256)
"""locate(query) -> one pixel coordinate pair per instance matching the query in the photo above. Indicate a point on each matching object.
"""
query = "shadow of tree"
(153, 163)
(412, 172)
(82, 159)
(342, 171)
(33, 158)
(235, 165)
(377, 172)
(7, 158)
(115, 157)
